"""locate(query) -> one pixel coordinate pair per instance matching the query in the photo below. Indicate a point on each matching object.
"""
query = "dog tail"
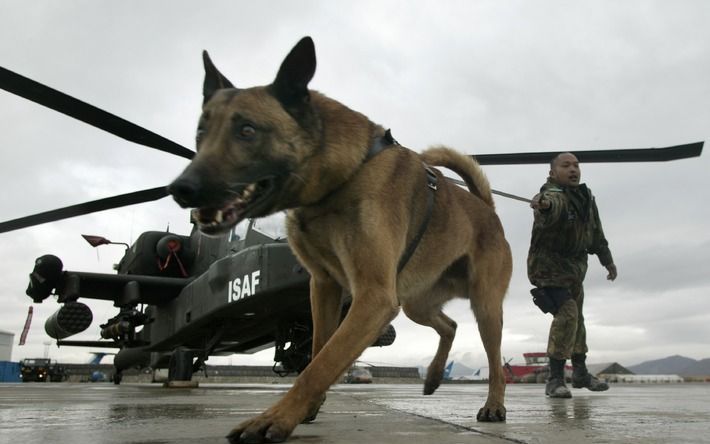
(465, 166)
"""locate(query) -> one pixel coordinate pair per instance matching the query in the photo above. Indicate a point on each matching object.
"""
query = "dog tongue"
(206, 215)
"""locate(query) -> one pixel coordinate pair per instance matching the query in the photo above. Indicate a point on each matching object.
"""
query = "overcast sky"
(479, 76)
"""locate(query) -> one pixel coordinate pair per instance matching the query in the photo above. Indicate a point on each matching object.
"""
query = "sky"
(478, 76)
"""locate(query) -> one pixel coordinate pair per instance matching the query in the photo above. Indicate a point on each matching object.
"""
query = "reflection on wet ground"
(104, 413)
(626, 413)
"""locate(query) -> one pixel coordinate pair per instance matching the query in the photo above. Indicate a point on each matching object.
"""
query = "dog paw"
(311, 416)
(431, 386)
(261, 429)
(491, 414)
(433, 379)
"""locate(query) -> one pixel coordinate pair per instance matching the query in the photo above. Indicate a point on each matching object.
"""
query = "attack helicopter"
(184, 298)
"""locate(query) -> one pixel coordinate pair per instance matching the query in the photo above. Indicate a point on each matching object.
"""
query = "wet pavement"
(149, 414)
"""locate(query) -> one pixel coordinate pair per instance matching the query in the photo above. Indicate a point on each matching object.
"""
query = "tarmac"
(103, 413)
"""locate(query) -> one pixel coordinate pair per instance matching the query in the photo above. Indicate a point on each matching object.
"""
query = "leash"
(387, 141)
(381, 144)
(499, 193)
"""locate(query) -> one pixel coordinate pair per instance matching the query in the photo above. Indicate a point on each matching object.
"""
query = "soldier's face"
(565, 170)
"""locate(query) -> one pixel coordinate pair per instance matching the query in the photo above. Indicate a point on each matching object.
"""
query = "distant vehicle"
(97, 375)
(358, 375)
(41, 370)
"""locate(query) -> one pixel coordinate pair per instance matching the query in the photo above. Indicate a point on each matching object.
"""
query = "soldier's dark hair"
(557, 156)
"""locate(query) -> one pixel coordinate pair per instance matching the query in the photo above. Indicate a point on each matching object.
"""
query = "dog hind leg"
(487, 305)
(446, 328)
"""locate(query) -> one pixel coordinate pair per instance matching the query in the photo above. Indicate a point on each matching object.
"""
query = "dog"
(365, 215)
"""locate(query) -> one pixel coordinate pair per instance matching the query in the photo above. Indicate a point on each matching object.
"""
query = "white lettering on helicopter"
(243, 287)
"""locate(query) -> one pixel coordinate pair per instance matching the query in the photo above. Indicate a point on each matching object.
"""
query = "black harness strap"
(380, 145)
(411, 248)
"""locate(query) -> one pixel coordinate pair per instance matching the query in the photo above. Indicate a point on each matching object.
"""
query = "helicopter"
(184, 298)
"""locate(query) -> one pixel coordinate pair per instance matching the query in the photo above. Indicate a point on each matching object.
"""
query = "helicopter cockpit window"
(239, 232)
(272, 226)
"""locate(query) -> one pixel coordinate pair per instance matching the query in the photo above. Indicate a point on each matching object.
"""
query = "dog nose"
(185, 191)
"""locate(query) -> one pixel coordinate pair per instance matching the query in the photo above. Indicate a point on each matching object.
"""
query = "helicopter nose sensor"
(44, 277)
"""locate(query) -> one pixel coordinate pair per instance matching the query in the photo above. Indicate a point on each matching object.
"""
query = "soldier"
(566, 229)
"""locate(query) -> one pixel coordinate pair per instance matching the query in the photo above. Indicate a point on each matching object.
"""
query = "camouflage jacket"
(563, 235)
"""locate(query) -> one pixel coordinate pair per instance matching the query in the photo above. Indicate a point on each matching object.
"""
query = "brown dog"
(364, 214)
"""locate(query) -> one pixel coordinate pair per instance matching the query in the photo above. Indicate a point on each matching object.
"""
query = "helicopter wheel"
(180, 367)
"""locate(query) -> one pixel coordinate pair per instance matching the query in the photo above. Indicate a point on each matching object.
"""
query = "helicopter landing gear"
(180, 368)
(117, 376)
(293, 348)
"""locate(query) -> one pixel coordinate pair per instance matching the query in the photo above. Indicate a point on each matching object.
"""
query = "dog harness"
(387, 141)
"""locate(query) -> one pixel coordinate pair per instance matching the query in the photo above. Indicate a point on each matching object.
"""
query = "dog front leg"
(367, 316)
(326, 306)
(326, 309)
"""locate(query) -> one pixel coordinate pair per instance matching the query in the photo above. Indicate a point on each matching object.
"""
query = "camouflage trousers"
(568, 335)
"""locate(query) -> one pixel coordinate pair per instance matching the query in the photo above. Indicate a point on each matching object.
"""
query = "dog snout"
(185, 190)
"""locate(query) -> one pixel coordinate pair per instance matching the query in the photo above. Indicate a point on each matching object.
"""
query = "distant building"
(645, 379)
(606, 369)
(6, 339)
(9, 371)
(615, 372)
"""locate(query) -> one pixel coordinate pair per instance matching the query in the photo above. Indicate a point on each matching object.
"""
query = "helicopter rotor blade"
(85, 208)
(65, 104)
(598, 156)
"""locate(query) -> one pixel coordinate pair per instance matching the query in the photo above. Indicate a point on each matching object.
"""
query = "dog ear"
(214, 79)
(297, 69)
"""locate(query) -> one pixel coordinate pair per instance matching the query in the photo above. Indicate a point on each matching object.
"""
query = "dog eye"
(246, 132)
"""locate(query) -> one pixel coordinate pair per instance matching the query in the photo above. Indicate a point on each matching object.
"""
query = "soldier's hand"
(539, 203)
(611, 268)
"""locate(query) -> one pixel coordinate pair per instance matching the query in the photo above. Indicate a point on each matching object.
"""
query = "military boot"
(581, 378)
(555, 387)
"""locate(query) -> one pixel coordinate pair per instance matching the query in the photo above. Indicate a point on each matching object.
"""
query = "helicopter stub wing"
(94, 344)
(153, 290)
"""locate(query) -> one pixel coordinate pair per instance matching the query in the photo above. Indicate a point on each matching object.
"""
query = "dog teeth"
(248, 191)
(218, 217)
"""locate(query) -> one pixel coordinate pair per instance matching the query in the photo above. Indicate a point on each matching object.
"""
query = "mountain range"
(673, 365)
